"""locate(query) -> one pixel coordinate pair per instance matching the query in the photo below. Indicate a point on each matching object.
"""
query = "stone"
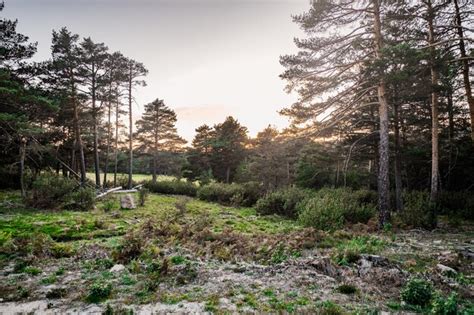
(127, 202)
(117, 268)
(446, 270)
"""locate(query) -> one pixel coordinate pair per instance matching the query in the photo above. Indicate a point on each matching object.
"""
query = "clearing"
(181, 255)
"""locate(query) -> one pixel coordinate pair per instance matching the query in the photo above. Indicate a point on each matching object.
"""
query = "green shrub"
(109, 204)
(49, 191)
(330, 208)
(99, 291)
(417, 292)
(418, 211)
(59, 250)
(349, 251)
(83, 198)
(322, 212)
(445, 306)
(244, 195)
(282, 202)
(172, 187)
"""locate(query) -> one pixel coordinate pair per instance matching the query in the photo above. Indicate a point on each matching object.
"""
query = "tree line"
(72, 106)
(385, 103)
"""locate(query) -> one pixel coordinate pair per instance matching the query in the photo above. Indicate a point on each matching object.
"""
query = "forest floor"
(182, 255)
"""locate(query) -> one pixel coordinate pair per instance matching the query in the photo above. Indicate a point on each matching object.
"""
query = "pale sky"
(207, 59)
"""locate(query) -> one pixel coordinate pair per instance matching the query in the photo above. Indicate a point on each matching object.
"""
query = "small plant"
(279, 255)
(59, 250)
(99, 291)
(84, 198)
(328, 308)
(22, 292)
(109, 204)
(32, 271)
(417, 292)
(181, 205)
(143, 196)
(178, 260)
(212, 303)
(49, 280)
(346, 289)
(445, 306)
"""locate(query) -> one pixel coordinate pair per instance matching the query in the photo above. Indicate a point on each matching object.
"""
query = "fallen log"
(105, 193)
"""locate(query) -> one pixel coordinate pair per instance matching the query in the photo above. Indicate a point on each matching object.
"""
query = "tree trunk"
(227, 175)
(109, 136)
(434, 108)
(22, 167)
(95, 131)
(77, 134)
(130, 139)
(398, 162)
(116, 142)
(450, 136)
(383, 175)
(465, 67)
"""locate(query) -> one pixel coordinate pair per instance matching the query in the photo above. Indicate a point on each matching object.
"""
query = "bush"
(445, 306)
(282, 202)
(245, 194)
(83, 198)
(172, 187)
(99, 291)
(417, 292)
(50, 191)
(329, 209)
(418, 211)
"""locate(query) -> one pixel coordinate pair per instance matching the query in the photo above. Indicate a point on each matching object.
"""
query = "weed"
(445, 306)
(49, 280)
(328, 308)
(417, 292)
(178, 260)
(32, 270)
(99, 291)
(212, 303)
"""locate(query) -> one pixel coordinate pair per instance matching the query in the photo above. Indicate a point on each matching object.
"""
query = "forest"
(362, 204)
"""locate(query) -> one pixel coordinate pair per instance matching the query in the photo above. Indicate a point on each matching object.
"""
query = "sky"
(207, 59)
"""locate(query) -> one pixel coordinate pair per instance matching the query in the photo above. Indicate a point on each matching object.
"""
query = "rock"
(127, 202)
(446, 270)
(326, 267)
(117, 268)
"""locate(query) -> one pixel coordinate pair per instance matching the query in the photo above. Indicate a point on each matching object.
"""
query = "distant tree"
(228, 149)
(267, 160)
(199, 156)
(135, 70)
(156, 131)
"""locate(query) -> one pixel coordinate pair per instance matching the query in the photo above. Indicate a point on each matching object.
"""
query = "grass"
(168, 260)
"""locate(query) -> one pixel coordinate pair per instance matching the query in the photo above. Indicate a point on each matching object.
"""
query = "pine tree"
(156, 131)
(135, 70)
